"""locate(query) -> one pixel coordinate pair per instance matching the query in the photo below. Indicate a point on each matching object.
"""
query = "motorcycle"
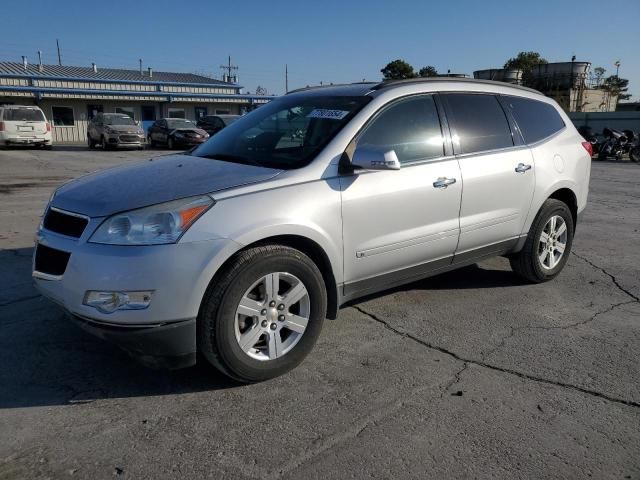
(615, 144)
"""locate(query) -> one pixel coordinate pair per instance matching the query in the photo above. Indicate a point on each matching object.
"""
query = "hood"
(125, 128)
(199, 131)
(154, 181)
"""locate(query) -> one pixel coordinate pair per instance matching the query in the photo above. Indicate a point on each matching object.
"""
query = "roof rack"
(316, 87)
(411, 81)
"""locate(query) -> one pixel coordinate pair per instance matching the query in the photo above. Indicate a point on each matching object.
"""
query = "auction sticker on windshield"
(331, 114)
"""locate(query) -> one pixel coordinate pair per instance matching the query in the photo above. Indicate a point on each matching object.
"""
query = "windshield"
(120, 120)
(285, 133)
(180, 123)
(23, 115)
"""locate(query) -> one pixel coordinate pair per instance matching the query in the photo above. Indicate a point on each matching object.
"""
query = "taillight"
(588, 147)
(48, 127)
(1, 126)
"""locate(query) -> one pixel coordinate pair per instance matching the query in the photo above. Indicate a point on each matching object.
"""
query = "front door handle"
(521, 168)
(443, 182)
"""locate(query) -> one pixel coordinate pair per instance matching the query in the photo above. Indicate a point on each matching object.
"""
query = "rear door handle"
(443, 182)
(521, 168)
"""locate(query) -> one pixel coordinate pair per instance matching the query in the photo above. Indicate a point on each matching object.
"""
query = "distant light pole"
(617, 64)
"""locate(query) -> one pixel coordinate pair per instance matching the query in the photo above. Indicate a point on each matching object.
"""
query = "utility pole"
(617, 64)
(59, 56)
(229, 68)
(286, 78)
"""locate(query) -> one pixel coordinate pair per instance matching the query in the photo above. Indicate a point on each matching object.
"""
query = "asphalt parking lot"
(471, 374)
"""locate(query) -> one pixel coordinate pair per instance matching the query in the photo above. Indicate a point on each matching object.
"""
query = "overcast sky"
(326, 40)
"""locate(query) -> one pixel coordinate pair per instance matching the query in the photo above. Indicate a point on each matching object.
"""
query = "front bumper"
(178, 274)
(188, 141)
(125, 140)
(172, 345)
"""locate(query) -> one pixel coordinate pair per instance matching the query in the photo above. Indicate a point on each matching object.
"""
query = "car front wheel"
(263, 314)
(548, 243)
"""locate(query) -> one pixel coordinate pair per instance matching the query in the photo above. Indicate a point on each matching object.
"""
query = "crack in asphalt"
(611, 276)
(496, 368)
(513, 330)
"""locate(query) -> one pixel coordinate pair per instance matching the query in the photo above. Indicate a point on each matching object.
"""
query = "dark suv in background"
(176, 132)
(212, 124)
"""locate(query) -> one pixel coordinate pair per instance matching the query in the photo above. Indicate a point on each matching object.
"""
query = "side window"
(479, 122)
(410, 126)
(536, 120)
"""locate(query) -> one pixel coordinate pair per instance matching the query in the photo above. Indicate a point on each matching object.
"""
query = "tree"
(525, 61)
(397, 70)
(616, 86)
(428, 71)
(598, 73)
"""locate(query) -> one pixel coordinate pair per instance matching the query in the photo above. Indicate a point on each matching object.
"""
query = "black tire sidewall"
(239, 364)
(555, 208)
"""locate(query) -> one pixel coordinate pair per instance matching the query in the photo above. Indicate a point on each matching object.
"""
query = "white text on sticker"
(331, 114)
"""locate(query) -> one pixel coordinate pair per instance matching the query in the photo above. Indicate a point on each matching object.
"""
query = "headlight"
(158, 224)
(109, 130)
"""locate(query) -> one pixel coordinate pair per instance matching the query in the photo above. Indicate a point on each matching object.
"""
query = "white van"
(24, 125)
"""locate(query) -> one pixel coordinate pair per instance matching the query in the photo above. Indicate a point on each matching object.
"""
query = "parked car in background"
(24, 125)
(176, 132)
(212, 124)
(114, 130)
(240, 249)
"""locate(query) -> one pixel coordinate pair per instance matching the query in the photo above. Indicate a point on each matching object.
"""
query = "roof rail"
(317, 87)
(412, 81)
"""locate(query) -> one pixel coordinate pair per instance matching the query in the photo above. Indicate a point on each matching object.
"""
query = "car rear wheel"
(548, 244)
(263, 314)
(170, 143)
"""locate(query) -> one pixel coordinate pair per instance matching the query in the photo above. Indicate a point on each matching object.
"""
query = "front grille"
(129, 138)
(64, 224)
(51, 261)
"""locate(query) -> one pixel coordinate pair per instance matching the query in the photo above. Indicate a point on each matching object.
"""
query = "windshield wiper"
(232, 158)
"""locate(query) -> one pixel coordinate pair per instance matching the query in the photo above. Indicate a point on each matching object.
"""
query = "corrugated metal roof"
(116, 74)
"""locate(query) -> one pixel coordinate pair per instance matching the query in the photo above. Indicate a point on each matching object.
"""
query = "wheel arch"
(567, 196)
(310, 248)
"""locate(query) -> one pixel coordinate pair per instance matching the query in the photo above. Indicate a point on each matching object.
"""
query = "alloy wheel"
(553, 242)
(272, 316)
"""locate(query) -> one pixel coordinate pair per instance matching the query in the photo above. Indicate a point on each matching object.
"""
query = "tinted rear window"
(536, 120)
(479, 121)
(23, 115)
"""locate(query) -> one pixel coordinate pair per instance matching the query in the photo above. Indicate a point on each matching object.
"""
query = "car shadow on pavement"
(50, 361)
(47, 360)
(465, 278)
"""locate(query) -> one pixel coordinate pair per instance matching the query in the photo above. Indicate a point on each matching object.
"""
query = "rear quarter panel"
(560, 162)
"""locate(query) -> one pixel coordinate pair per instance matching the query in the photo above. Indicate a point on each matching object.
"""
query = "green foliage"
(397, 70)
(616, 86)
(428, 71)
(525, 61)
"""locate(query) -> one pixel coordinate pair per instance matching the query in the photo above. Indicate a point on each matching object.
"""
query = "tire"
(150, 142)
(91, 142)
(170, 144)
(634, 154)
(527, 263)
(105, 144)
(220, 325)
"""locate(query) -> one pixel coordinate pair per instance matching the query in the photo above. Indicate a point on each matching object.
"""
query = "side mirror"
(370, 157)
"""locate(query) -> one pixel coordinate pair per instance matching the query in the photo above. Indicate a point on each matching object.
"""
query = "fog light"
(109, 302)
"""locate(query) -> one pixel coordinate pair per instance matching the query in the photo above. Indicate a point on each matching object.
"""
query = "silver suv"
(115, 130)
(241, 248)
